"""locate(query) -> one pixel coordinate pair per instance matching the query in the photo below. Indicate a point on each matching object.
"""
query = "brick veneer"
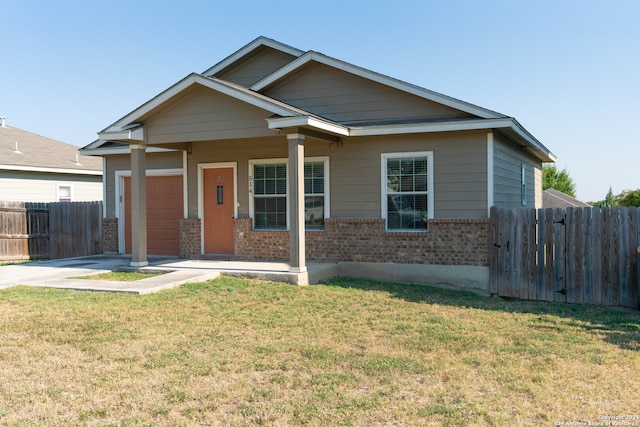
(448, 242)
(109, 235)
(190, 237)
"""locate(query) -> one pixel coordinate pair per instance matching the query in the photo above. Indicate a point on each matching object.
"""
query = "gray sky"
(569, 71)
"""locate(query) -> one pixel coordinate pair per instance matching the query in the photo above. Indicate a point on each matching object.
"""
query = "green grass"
(347, 352)
(120, 276)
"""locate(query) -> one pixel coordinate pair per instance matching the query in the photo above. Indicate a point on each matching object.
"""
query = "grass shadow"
(619, 326)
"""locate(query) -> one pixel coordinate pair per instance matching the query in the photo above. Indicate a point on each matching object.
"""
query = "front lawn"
(348, 352)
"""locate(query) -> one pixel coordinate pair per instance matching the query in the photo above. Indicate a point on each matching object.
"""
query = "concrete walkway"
(176, 271)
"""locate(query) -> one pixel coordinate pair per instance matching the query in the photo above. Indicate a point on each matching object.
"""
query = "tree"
(628, 198)
(559, 180)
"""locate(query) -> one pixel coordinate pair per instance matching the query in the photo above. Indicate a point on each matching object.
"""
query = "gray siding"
(202, 114)
(256, 66)
(122, 162)
(508, 178)
(460, 177)
(346, 98)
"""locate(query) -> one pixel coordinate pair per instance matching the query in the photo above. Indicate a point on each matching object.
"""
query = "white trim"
(454, 125)
(50, 170)
(136, 134)
(260, 41)
(258, 101)
(490, 172)
(253, 162)
(119, 176)
(119, 150)
(201, 168)
(376, 77)
(383, 184)
(185, 186)
(523, 184)
(104, 187)
(283, 122)
(327, 185)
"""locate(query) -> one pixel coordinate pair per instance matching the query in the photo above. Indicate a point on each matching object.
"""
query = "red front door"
(218, 211)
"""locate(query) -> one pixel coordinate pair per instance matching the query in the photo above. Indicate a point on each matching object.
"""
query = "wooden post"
(296, 203)
(138, 206)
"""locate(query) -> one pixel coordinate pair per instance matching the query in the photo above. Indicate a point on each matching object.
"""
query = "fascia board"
(378, 78)
(50, 170)
(313, 122)
(238, 55)
(430, 127)
(537, 145)
(119, 150)
(136, 134)
(184, 84)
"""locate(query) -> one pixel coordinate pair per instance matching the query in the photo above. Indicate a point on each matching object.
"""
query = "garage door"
(164, 209)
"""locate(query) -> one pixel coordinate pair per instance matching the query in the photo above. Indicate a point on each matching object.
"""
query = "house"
(34, 168)
(552, 198)
(275, 153)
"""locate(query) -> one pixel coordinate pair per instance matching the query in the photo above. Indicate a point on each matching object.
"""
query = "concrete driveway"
(57, 273)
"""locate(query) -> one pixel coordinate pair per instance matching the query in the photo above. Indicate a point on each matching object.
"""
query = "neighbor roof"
(552, 198)
(27, 151)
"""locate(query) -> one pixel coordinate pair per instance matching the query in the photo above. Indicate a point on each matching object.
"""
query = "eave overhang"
(509, 126)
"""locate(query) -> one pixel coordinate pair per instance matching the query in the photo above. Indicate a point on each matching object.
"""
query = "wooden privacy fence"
(581, 255)
(49, 230)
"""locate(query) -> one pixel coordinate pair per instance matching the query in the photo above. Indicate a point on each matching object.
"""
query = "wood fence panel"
(548, 242)
(587, 255)
(570, 260)
(598, 255)
(578, 255)
(558, 255)
(49, 230)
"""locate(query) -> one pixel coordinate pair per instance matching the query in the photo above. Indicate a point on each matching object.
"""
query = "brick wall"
(448, 242)
(190, 237)
(110, 235)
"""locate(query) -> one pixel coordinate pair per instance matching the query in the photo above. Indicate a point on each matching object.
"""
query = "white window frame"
(383, 185)
(523, 184)
(58, 195)
(327, 186)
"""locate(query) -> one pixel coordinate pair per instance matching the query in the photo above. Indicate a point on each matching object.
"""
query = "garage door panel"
(164, 210)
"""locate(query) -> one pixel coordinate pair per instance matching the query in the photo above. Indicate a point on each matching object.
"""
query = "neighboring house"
(272, 141)
(35, 168)
(552, 198)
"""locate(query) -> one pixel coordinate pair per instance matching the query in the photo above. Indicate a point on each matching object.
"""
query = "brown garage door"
(164, 209)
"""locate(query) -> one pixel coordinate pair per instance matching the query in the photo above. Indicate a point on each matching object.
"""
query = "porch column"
(138, 206)
(296, 202)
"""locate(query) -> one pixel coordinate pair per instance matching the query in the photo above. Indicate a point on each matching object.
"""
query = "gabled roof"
(248, 49)
(430, 95)
(285, 115)
(127, 123)
(21, 150)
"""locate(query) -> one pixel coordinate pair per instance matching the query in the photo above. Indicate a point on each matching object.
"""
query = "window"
(407, 190)
(314, 195)
(268, 186)
(270, 196)
(64, 193)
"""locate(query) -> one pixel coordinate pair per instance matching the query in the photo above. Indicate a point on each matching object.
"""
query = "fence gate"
(581, 255)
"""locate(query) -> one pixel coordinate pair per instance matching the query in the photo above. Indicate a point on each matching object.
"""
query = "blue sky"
(569, 71)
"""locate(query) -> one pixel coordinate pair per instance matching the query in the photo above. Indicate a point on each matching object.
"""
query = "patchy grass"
(120, 276)
(348, 352)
